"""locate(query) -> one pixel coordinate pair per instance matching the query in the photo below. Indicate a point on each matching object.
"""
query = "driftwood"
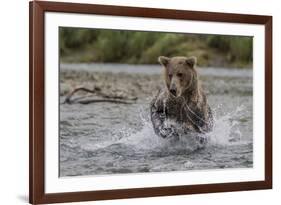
(97, 91)
(88, 101)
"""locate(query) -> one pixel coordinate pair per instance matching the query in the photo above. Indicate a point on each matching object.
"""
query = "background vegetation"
(134, 47)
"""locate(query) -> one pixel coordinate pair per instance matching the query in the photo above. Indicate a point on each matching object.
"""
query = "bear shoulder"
(159, 99)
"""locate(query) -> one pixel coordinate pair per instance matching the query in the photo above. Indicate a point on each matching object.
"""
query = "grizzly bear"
(181, 107)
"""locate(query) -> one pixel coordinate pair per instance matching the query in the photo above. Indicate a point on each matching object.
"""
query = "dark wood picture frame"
(37, 193)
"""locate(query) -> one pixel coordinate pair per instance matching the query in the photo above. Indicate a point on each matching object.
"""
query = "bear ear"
(163, 60)
(191, 61)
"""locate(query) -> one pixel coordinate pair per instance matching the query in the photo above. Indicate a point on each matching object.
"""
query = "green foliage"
(72, 38)
(111, 46)
(236, 47)
(94, 45)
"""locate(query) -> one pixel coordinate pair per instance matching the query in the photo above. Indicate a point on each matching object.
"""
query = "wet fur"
(188, 111)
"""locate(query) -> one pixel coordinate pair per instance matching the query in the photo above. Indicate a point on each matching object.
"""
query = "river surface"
(108, 138)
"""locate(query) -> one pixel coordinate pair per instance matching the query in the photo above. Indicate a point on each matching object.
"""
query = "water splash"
(225, 133)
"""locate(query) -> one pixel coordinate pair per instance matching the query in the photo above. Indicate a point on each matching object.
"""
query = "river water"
(108, 138)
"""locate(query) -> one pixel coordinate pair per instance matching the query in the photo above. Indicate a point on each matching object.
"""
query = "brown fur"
(182, 100)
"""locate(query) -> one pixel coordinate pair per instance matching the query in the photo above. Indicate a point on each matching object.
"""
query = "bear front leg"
(157, 119)
(168, 130)
(160, 123)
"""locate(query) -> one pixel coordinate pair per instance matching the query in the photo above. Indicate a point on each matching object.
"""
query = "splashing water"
(225, 128)
(130, 150)
(225, 133)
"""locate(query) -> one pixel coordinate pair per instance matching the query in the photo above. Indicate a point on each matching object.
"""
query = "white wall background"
(14, 100)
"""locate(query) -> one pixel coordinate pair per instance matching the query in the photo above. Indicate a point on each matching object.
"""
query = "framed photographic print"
(140, 102)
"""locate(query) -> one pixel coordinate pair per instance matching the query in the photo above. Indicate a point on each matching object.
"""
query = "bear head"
(179, 74)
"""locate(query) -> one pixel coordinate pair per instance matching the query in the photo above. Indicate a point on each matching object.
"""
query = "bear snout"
(173, 89)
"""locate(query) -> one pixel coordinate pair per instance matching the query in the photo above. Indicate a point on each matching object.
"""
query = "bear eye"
(179, 75)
